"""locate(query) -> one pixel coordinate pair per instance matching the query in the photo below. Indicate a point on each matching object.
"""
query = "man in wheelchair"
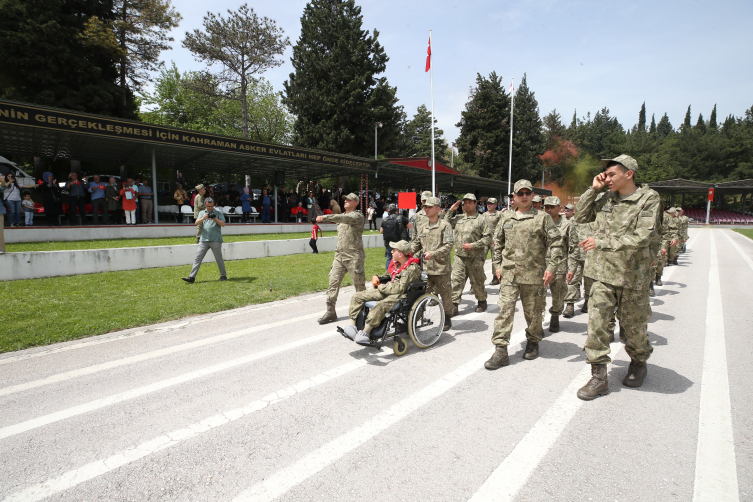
(388, 291)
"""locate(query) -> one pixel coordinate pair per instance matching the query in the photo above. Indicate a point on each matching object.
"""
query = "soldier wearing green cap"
(538, 203)
(525, 268)
(619, 260)
(434, 240)
(420, 217)
(349, 255)
(492, 216)
(575, 261)
(558, 286)
(675, 234)
(472, 239)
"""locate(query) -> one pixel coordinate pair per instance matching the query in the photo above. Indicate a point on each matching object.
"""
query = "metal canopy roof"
(680, 185)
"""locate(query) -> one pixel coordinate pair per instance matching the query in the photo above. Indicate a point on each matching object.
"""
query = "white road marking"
(513, 473)
(715, 465)
(92, 470)
(97, 468)
(153, 387)
(739, 249)
(96, 368)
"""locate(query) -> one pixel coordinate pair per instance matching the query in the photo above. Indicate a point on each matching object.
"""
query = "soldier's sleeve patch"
(647, 214)
(508, 225)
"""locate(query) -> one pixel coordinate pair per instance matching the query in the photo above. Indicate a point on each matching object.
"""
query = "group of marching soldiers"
(617, 241)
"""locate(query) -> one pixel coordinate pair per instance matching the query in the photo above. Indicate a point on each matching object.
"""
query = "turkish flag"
(428, 56)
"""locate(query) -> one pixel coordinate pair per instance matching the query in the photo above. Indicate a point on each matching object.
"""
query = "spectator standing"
(371, 216)
(136, 185)
(181, 180)
(128, 196)
(12, 198)
(2, 217)
(209, 223)
(266, 202)
(393, 228)
(316, 232)
(145, 199)
(99, 200)
(310, 201)
(180, 196)
(51, 199)
(334, 206)
(198, 206)
(76, 198)
(246, 204)
(233, 194)
(113, 200)
(28, 209)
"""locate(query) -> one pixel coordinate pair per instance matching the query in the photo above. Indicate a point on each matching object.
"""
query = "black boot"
(584, 308)
(554, 324)
(651, 291)
(635, 375)
(532, 350)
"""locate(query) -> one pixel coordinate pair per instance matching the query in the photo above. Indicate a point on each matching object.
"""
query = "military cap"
(537, 198)
(431, 201)
(469, 196)
(570, 207)
(201, 187)
(671, 210)
(491, 200)
(351, 196)
(426, 194)
(521, 184)
(552, 201)
(402, 246)
(626, 160)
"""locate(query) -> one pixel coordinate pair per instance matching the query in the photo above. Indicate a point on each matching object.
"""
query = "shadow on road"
(658, 379)
(658, 316)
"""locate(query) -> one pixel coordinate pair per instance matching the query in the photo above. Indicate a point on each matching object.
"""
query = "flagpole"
(433, 171)
(509, 169)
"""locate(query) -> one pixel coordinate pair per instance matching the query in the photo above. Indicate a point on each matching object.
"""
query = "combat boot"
(330, 315)
(498, 359)
(569, 311)
(623, 336)
(611, 336)
(584, 308)
(651, 291)
(455, 311)
(675, 261)
(658, 281)
(447, 324)
(635, 375)
(554, 324)
(494, 282)
(598, 384)
(481, 306)
(532, 350)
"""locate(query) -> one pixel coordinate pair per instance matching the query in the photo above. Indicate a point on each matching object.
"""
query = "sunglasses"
(525, 193)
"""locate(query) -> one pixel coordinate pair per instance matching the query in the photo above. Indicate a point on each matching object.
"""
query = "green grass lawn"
(56, 309)
(165, 241)
(746, 232)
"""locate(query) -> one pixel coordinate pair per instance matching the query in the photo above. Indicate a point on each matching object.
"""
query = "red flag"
(428, 56)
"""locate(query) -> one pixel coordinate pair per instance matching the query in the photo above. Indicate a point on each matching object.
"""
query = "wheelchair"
(420, 315)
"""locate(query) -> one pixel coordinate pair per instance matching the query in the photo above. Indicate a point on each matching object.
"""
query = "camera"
(211, 215)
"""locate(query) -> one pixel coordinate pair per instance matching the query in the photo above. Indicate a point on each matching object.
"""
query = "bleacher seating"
(718, 216)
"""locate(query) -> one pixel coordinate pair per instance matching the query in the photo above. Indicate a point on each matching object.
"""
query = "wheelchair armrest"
(384, 279)
(416, 285)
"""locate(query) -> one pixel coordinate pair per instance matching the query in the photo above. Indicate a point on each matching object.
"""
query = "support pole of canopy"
(276, 211)
(154, 186)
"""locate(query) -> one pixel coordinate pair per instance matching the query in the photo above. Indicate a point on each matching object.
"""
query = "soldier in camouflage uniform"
(619, 261)
(420, 217)
(575, 261)
(435, 239)
(684, 223)
(525, 267)
(492, 216)
(472, 239)
(676, 233)
(349, 255)
(558, 286)
(661, 256)
(538, 203)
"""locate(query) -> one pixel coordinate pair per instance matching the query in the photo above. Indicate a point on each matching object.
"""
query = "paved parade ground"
(262, 403)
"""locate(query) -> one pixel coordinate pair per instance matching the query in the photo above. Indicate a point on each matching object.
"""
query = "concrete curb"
(38, 264)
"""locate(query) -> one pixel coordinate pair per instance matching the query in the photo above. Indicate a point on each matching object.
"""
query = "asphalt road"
(262, 403)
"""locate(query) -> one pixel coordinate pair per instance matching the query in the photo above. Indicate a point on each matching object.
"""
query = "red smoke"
(562, 153)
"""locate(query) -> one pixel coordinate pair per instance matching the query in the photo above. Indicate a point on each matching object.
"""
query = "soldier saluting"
(349, 255)
(525, 268)
(626, 222)
(472, 239)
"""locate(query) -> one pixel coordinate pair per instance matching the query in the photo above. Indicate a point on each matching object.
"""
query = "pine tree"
(418, 137)
(334, 91)
(51, 57)
(528, 137)
(712, 120)
(652, 129)
(553, 128)
(642, 119)
(485, 128)
(664, 128)
(700, 126)
(686, 126)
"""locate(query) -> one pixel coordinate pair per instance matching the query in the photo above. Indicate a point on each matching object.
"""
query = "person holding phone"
(209, 223)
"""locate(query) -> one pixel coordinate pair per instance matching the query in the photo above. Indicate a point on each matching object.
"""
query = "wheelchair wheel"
(399, 346)
(426, 321)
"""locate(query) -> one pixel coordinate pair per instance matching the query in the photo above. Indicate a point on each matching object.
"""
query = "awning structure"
(681, 186)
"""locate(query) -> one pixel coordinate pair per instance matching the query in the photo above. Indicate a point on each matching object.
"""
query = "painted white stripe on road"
(739, 249)
(715, 465)
(94, 469)
(153, 387)
(285, 479)
(90, 370)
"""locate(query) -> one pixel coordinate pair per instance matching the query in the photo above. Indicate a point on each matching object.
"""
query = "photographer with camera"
(210, 222)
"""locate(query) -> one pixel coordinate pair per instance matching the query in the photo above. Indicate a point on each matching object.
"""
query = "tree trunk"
(244, 106)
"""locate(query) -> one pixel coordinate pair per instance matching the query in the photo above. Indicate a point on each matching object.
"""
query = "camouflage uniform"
(675, 234)
(349, 255)
(685, 222)
(387, 295)
(521, 252)
(493, 220)
(575, 260)
(437, 239)
(558, 286)
(620, 268)
(198, 206)
(473, 230)
(420, 217)
(657, 269)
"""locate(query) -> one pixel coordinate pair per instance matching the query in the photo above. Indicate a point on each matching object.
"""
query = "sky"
(577, 55)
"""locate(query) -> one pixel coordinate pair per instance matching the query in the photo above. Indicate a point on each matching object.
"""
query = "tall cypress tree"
(485, 128)
(652, 128)
(686, 125)
(48, 59)
(664, 128)
(700, 125)
(642, 119)
(712, 120)
(334, 91)
(528, 136)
